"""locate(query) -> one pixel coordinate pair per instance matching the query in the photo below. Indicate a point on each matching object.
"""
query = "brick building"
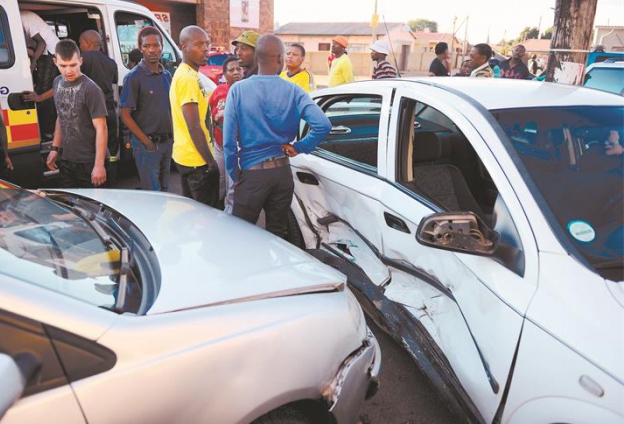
(222, 19)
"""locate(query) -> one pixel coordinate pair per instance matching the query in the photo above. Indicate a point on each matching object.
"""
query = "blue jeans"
(154, 167)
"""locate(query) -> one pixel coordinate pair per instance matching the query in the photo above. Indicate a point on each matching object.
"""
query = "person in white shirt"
(42, 64)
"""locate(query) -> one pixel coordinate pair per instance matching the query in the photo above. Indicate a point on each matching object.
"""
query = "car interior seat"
(442, 182)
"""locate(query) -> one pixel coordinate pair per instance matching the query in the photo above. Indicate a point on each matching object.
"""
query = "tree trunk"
(574, 20)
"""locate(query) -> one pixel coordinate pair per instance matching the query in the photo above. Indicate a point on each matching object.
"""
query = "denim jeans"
(226, 185)
(154, 167)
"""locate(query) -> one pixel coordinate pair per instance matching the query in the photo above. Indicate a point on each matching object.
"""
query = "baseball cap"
(341, 40)
(381, 46)
(248, 37)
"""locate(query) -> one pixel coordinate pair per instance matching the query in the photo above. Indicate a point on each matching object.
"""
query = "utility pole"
(375, 22)
(574, 20)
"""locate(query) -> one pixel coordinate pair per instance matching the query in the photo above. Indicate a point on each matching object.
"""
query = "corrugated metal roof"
(335, 28)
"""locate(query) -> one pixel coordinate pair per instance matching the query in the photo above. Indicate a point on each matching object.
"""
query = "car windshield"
(60, 248)
(606, 79)
(574, 156)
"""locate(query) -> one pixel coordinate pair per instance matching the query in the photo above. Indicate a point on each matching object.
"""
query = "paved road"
(405, 395)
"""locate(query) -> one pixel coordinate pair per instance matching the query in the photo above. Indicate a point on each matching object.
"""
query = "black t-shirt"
(103, 71)
(77, 104)
(438, 68)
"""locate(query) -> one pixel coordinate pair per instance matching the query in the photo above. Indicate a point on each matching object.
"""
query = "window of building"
(324, 47)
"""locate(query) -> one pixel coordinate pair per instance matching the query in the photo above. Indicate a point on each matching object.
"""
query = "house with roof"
(316, 37)
(610, 37)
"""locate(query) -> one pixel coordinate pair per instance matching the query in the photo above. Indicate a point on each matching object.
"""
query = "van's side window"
(128, 27)
(6, 52)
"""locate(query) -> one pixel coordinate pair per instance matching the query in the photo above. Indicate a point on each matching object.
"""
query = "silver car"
(128, 307)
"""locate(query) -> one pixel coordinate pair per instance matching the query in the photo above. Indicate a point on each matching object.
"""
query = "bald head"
(191, 32)
(90, 40)
(270, 55)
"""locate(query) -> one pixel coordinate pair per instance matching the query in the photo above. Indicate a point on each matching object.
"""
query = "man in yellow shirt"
(295, 73)
(341, 70)
(189, 94)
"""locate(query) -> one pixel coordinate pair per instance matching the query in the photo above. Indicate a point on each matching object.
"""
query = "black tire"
(283, 415)
(294, 235)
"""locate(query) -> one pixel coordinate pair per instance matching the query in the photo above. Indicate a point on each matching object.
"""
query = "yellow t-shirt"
(188, 87)
(341, 71)
(303, 79)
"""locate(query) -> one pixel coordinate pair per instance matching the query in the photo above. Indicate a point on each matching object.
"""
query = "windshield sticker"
(582, 231)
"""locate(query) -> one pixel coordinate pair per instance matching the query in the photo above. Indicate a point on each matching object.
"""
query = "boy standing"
(81, 123)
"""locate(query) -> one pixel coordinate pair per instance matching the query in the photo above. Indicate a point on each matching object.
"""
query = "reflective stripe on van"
(22, 127)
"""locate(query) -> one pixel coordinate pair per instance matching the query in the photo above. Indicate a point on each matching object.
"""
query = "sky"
(501, 19)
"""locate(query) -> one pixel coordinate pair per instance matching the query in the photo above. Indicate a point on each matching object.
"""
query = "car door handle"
(340, 130)
(307, 178)
(396, 223)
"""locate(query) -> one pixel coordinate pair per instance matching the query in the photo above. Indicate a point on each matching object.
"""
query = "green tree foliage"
(423, 25)
(547, 34)
(528, 33)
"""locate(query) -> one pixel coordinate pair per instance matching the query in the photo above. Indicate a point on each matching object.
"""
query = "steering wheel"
(591, 144)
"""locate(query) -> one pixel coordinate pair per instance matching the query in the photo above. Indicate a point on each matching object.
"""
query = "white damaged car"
(481, 223)
(137, 307)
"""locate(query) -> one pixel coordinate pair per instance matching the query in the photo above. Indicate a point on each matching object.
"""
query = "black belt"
(271, 163)
(160, 138)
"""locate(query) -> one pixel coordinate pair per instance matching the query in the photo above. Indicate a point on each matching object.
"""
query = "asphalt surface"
(405, 395)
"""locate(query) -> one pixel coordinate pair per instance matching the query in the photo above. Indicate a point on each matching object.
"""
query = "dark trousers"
(268, 189)
(112, 124)
(44, 77)
(200, 184)
(75, 175)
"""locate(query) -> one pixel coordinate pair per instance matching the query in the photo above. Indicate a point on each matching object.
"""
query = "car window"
(53, 246)
(6, 52)
(218, 59)
(573, 157)
(437, 162)
(355, 130)
(606, 79)
(128, 27)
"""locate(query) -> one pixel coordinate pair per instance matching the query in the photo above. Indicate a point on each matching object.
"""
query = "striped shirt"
(384, 70)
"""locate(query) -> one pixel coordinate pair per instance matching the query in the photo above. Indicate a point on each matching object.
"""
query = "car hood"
(207, 257)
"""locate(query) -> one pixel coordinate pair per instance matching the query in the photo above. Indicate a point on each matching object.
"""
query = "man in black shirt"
(103, 71)
(440, 66)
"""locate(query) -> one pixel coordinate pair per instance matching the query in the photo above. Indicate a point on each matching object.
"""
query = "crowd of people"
(231, 144)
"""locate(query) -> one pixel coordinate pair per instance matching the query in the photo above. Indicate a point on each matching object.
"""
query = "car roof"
(610, 64)
(497, 93)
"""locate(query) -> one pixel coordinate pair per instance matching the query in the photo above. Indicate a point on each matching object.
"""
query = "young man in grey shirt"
(81, 123)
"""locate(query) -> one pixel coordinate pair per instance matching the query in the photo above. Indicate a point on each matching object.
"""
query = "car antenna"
(391, 48)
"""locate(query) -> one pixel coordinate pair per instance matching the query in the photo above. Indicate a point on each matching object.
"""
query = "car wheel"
(283, 415)
(294, 235)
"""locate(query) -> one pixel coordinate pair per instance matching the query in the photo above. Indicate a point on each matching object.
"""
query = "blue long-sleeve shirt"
(261, 114)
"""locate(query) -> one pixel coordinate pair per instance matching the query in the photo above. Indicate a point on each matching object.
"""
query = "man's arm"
(190, 111)
(41, 48)
(31, 96)
(98, 175)
(230, 136)
(348, 71)
(319, 124)
(56, 144)
(134, 128)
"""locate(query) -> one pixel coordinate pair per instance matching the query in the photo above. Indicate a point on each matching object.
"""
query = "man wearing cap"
(245, 51)
(341, 70)
(379, 50)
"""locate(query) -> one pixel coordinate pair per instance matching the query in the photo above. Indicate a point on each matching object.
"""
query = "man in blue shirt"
(262, 118)
(145, 110)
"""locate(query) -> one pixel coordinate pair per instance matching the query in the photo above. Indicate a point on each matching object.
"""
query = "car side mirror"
(14, 375)
(461, 232)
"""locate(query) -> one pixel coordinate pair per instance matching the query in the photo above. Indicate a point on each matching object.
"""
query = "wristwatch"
(54, 148)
